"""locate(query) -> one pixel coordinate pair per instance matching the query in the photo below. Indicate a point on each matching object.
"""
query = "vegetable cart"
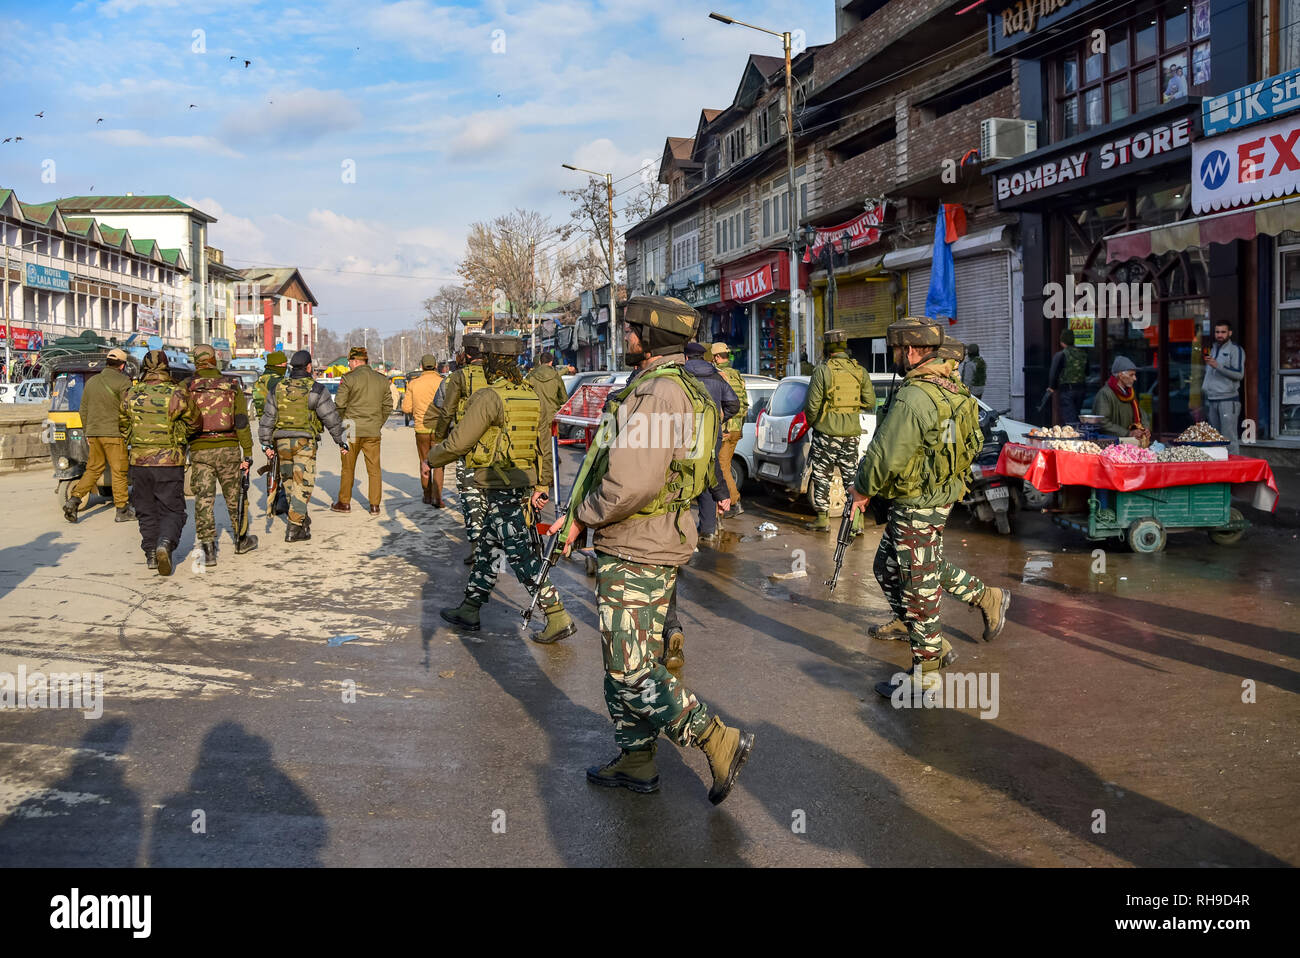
(1143, 502)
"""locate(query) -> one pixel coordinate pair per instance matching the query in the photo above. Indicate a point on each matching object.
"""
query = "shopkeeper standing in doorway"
(1225, 366)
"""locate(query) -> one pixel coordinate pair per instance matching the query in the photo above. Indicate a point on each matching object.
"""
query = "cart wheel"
(1229, 537)
(64, 490)
(1146, 535)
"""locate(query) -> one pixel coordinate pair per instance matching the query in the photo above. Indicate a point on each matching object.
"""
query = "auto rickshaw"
(64, 431)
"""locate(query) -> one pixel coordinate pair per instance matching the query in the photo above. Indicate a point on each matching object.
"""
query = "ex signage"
(1091, 164)
(1258, 163)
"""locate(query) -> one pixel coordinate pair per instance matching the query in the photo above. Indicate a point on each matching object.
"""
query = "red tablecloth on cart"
(1047, 470)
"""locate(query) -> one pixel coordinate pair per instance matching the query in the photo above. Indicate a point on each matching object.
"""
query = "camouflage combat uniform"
(914, 461)
(449, 406)
(837, 392)
(222, 443)
(274, 369)
(295, 415)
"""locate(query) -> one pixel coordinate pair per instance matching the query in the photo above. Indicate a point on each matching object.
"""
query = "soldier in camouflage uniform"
(296, 413)
(838, 391)
(156, 419)
(215, 452)
(919, 459)
(274, 369)
(504, 439)
(635, 508)
(449, 405)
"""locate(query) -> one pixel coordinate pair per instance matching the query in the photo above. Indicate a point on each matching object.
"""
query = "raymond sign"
(863, 230)
(751, 286)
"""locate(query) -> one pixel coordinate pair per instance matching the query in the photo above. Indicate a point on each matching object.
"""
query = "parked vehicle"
(990, 497)
(331, 383)
(31, 391)
(760, 389)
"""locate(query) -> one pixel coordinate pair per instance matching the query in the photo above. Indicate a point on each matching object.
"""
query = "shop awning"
(968, 245)
(1267, 218)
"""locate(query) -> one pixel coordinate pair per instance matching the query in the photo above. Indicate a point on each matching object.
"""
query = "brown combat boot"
(559, 625)
(893, 629)
(635, 770)
(727, 750)
(993, 604)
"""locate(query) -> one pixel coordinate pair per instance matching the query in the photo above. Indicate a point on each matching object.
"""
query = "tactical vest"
(844, 392)
(981, 373)
(149, 407)
(217, 399)
(291, 409)
(948, 452)
(261, 388)
(1076, 367)
(686, 478)
(732, 375)
(474, 379)
(512, 445)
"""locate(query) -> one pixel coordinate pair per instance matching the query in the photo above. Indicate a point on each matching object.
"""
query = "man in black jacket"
(722, 393)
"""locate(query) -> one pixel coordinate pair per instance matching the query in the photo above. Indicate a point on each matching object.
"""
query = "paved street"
(226, 739)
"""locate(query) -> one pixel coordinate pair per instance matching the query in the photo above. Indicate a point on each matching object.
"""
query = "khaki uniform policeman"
(919, 459)
(838, 391)
(733, 429)
(100, 401)
(365, 399)
(449, 406)
(504, 438)
(636, 507)
(418, 404)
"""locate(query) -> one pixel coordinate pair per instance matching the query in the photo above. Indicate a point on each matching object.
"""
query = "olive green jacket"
(1118, 414)
(364, 397)
(548, 383)
(816, 406)
(484, 410)
(913, 424)
(445, 403)
(737, 383)
(101, 400)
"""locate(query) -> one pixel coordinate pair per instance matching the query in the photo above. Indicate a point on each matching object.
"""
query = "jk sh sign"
(1265, 100)
(1257, 163)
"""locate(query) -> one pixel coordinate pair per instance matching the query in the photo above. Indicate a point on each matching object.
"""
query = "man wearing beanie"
(275, 363)
(366, 400)
(418, 404)
(1116, 402)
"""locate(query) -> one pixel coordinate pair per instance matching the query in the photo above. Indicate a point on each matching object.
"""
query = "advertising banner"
(1258, 163)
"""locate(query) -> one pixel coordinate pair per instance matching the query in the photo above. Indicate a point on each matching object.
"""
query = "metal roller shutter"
(864, 309)
(983, 315)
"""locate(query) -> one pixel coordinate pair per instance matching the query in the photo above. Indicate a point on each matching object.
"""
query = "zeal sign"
(1257, 163)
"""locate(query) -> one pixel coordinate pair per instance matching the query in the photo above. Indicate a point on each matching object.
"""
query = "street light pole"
(796, 333)
(7, 325)
(613, 292)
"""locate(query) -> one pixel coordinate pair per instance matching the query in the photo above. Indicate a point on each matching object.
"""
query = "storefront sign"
(702, 294)
(1259, 163)
(146, 319)
(863, 230)
(752, 286)
(1290, 390)
(1023, 20)
(44, 277)
(220, 344)
(24, 338)
(1260, 101)
(1092, 164)
(1083, 328)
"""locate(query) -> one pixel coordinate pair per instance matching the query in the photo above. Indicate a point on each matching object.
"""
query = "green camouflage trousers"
(829, 453)
(642, 696)
(471, 501)
(504, 528)
(212, 466)
(298, 473)
(913, 574)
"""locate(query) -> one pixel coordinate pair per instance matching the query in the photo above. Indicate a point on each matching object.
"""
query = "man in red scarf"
(1117, 404)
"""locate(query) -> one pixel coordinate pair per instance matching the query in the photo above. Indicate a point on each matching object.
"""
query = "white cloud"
(481, 134)
(292, 118)
(138, 139)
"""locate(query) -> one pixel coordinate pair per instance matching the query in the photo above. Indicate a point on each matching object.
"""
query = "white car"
(32, 391)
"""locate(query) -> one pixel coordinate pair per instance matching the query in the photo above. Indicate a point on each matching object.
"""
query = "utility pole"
(613, 269)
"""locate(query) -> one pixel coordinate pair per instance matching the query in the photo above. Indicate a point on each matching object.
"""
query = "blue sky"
(450, 113)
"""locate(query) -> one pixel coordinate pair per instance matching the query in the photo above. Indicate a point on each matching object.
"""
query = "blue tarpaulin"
(941, 300)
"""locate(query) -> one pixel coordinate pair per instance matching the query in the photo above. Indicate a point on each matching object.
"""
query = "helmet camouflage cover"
(501, 345)
(953, 350)
(916, 331)
(673, 317)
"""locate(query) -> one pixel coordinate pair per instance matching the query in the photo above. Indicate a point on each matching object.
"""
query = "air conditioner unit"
(1005, 139)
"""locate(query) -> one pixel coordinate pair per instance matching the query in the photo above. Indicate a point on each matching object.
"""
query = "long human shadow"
(587, 825)
(849, 807)
(90, 817)
(17, 562)
(240, 810)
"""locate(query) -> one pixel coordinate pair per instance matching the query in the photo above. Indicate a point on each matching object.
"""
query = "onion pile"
(1128, 453)
(1201, 432)
(1183, 454)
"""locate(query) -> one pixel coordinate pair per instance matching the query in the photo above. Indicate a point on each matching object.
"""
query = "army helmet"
(501, 345)
(952, 350)
(917, 331)
(833, 336)
(673, 318)
(471, 342)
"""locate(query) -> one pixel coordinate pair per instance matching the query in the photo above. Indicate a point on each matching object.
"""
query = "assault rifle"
(843, 540)
(271, 469)
(241, 511)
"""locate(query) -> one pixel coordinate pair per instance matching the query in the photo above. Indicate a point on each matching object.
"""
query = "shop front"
(864, 303)
(1154, 309)
(755, 310)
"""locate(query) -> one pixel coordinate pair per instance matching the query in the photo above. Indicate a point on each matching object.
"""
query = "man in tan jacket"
(665, 430)
(418, 404)
(364, 399)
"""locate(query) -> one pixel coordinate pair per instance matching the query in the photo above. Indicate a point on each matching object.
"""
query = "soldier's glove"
(246, 463)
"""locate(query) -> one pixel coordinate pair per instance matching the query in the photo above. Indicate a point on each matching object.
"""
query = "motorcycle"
(991, 497)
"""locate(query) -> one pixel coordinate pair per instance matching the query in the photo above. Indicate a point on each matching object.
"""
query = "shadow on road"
(17, 562)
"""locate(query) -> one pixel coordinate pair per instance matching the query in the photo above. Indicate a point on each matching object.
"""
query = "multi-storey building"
(274, 309)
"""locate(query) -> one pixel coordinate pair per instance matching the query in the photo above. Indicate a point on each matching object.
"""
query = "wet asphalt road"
(1120, 738)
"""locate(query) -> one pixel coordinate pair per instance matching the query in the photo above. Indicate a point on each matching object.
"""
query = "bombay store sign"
(1112, 158)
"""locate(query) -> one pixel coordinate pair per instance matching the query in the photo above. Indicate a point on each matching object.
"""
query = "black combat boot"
(125, 514)
(295, 532)
(70, 509)
(164, 556)
(209, 553)
(246, 544)
(150, 561)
